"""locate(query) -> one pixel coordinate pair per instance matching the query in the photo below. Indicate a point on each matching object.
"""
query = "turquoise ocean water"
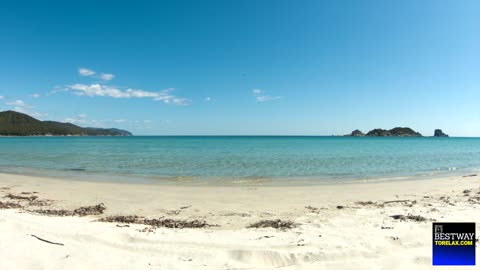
(238, 159)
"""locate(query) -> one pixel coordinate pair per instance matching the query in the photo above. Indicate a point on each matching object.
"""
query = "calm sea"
(238, 159)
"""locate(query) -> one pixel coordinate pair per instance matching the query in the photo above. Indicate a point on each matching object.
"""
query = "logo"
(453, 243)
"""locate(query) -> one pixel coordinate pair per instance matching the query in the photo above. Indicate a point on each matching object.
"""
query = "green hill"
(18, 124)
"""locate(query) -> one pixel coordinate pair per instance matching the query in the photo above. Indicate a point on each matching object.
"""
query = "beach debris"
(40, 203)
(18, 197)
(123, 226)
(122, 219)
(474, 200)
(408, 203)
(466, 192)
(365, 203)
(386, 228)
(231, 214)
(54, 212)
(470, 175)
(90, 210)
(148, 230)
(276, 224)
(265, 236)
(173, 212)
(300, 244)
(158, 222)
(82, 211)
(312, 209)
(416, 218)
(46, 241)
(446, 199)
(185, 207)
(340, 206)
(394, 238)
(9, 205)
(174, 223)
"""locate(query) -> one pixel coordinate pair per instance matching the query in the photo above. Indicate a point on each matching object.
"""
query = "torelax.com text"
(454, 239)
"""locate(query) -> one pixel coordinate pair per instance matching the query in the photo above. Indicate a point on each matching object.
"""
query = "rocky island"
(394, 132)
(18, 124)
(439, 133)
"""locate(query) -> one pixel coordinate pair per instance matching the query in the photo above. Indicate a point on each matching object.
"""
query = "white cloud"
(208, 99)
(257, 91)
(36, 95)
(106, 76)
(120, 120)
(18, 103)
(261, 97)
(93, 90)
(32, 114)
(266, 98)
(80, 119)
(2, 97)
(85, 72)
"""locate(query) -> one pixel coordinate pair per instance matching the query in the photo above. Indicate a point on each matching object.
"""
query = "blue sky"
(244, 67)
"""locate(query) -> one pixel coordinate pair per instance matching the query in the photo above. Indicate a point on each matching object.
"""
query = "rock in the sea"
(394, 132)
(404, 132)
(439, 133)
(357, 133)
(378, 132)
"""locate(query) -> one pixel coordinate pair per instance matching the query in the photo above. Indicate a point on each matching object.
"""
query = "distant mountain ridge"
(19, 124)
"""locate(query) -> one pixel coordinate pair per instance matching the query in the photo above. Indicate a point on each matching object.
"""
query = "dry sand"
(334, 230)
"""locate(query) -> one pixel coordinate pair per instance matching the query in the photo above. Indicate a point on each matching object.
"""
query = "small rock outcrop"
(356, 133)
(439, 133)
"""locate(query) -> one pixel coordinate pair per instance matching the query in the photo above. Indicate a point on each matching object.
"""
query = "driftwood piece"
(46, 241)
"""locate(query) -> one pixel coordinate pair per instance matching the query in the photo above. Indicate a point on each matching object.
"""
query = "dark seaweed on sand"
(276, 224)
(157, 222)
(82, 211)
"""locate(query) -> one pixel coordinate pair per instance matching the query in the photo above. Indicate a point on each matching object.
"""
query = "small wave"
(76, 169)
(251, 180)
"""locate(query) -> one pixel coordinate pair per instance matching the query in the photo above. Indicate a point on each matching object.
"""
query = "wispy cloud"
(85, 72)
(257, 91)
(18, 103)
(101, 90)
(31, 113)
(260, 96)
(2, 97)
(266, 98)
(35, 95)
(208, 99)
(107, 76)
(81, 119)
(91, 73)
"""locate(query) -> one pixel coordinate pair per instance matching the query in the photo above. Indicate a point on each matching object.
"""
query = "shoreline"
(346, 226)
(82, 175)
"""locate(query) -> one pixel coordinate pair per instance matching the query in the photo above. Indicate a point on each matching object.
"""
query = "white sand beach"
(336, 226)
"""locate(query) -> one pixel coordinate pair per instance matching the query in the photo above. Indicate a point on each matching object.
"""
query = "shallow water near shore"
(239, 160)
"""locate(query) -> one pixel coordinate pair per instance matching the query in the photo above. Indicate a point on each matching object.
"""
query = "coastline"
(346, 226)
